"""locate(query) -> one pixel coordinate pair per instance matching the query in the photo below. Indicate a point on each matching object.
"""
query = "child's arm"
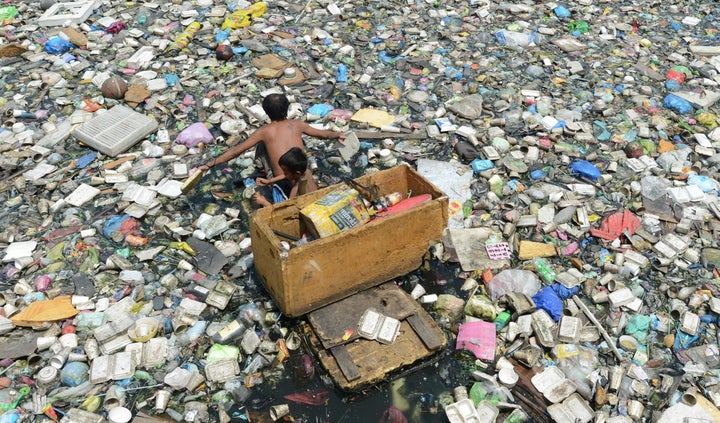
(294, 191)
(235, 151)
(262, 181)
(321, 133)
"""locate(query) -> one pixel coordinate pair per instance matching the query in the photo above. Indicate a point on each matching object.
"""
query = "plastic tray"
(374, 325)
(573, 410)
(462, 411)
(221, 371)
(116, 130)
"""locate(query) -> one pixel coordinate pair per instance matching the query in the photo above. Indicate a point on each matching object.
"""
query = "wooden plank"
(429, 338)
(345, 362)
(331, 322)
(375, 360)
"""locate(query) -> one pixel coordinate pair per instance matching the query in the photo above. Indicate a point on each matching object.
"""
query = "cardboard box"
(340, 210)
(328, 269)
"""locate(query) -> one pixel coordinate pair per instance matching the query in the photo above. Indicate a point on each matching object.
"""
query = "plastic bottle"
(517, 39)
(193, 333)
(185, 37)
(231, 331)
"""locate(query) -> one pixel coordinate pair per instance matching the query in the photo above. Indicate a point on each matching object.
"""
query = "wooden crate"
(326, 270)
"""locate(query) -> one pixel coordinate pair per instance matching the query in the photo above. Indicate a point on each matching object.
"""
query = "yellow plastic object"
(144, 329)
(186, 36)
(244, 17)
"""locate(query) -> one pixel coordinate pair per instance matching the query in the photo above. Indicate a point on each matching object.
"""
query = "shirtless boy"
(278, 136)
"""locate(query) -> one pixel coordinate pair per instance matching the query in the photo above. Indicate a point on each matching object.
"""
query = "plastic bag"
(549, 301)
(513, 280)
(124, 224)
(677, 104)
(194, 134)
(563, 292)
(487, 390)
(703, 182)
(586, 169)
(654, 187)
(517, 39)
(321, 109)
(57, 45)
(638, 326)
(244, 17)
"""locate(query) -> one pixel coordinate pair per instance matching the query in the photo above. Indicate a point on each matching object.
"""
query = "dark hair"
(276, 106)
(294, 159)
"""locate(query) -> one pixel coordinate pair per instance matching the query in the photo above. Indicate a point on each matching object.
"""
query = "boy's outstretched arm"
(235, 151)
(321, 133)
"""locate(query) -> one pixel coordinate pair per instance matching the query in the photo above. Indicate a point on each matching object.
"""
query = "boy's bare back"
(279, 137)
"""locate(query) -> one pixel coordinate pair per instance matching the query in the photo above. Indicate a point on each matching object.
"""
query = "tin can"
(47, 376)
(92, 350)
(615, 378)
(279, 411)
(162, 397)
(635, 409)
(69, 340)
(460, 393)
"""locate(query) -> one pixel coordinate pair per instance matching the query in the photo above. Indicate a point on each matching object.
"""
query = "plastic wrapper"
(513, 280)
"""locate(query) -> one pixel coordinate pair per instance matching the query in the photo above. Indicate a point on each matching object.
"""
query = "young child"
(276, 138)
(289, 185)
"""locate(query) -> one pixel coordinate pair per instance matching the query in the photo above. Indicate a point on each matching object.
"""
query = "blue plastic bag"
(563, 292)
(171, 79)
(586, 169)
(561, 12)
(703, 182)
(549, 301)
(537, 174)
(85, 160)
(320, 109)
(113, 223)
(677, 104)
(57, 45)
(341, 74)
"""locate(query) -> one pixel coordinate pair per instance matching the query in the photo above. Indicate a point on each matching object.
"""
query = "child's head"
(293, 163)
(276, 106)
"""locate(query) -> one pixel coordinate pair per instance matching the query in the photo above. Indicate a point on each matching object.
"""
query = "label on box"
(338, 211)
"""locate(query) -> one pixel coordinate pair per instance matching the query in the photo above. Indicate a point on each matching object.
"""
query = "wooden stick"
(597, 324)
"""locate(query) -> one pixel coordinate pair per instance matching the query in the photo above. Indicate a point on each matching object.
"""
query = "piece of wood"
(370, 359)
(380, 134)
(530, 250)
(596, 322)
(332, 321)
(429, 338)
(345, 362)
(115, 163)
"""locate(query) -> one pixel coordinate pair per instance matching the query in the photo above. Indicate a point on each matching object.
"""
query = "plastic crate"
(116, 130)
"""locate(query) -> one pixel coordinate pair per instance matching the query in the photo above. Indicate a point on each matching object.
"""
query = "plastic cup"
(119, 415)
(279, 411)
